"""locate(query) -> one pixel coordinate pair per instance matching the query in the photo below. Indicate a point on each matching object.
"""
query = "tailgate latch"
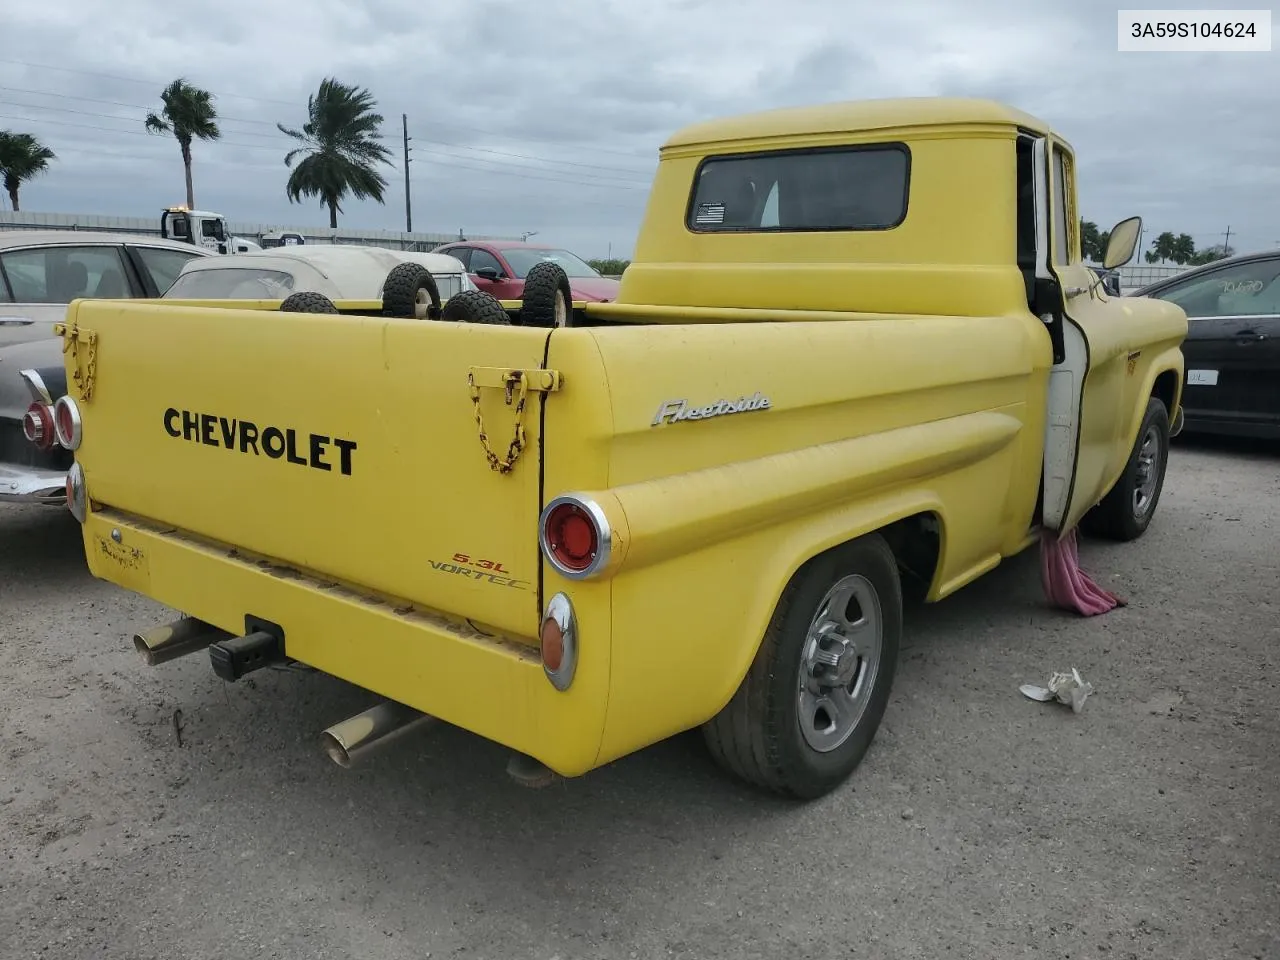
(515, 386)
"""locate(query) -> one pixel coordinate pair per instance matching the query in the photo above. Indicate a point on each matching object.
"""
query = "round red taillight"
(37, 425)
(571, 536)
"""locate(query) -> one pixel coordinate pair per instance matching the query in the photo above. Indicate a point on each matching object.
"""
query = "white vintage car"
(34, 465)
(339, 271)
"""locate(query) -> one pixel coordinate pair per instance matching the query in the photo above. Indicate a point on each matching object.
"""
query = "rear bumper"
(22, 484)
(491, 686)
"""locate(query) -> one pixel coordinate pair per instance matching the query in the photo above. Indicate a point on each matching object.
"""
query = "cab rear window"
(841, 188)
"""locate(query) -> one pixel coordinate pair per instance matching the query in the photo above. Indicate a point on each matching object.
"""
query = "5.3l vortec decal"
(490, 571)
(317, 449)
(674, 411)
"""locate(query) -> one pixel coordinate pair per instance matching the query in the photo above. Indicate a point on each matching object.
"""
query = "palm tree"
(340, 141)
(22, 157)
(1184, 248)
(189, 114)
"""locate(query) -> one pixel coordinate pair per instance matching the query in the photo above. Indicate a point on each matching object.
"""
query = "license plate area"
(1202, 378)
(124, 564)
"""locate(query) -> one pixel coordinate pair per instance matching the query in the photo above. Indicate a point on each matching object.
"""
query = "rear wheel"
(547, 300)
(811, 703)
(307, 302)
(1126, 512)
(410, 292)
(474, 306)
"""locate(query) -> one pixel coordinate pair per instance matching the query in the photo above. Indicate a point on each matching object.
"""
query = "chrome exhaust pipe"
(172, 640)
(353, 739)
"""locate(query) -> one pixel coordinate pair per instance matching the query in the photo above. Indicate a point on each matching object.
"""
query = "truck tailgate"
(341, 445)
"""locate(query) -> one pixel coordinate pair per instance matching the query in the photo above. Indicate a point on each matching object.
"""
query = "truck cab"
(202, 229)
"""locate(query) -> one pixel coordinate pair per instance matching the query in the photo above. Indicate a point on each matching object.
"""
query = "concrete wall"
(150, 226)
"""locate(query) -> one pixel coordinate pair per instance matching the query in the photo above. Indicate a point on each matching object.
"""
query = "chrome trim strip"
(36, 386)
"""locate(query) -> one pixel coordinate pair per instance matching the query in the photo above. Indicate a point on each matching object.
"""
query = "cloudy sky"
(546, 116)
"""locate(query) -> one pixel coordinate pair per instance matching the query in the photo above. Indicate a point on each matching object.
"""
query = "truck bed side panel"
(720, 512)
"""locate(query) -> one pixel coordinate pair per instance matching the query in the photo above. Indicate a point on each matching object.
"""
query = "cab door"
(1088, 379)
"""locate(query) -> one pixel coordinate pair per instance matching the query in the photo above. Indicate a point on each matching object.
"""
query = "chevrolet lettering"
(674, 411)
(316, 450)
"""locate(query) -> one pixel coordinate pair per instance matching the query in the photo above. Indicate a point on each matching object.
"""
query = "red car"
(498, 267)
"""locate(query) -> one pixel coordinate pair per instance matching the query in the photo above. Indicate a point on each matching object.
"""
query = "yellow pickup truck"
(857, 349)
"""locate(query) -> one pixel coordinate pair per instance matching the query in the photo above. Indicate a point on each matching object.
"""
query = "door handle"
(1249, 336)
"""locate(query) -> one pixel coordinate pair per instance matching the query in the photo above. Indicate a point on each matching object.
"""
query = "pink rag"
(1065, 584)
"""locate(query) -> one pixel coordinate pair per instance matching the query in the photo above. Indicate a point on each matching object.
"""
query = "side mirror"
(1123, 243)
(487, 273)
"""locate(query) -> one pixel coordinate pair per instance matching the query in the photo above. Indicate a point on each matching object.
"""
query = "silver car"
(40, 273)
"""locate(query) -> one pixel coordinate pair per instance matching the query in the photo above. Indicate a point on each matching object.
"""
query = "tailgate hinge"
(515, 385)
(73, 336)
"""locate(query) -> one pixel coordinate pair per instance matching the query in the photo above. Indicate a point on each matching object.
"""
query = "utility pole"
(1138, 255)
(1226, 246)
(408, 200)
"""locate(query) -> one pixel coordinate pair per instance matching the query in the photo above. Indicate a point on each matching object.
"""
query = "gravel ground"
(981, 824)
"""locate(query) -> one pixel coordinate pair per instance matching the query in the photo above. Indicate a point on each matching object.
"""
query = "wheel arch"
(915, 530)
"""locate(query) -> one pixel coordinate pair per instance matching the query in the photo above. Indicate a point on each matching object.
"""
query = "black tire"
(1120, 516)
(402, 293)
(547, 299)
(307, 302)
(757, 736)
(474, 306)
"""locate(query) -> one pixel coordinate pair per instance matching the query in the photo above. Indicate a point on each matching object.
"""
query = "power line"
(114, 76)
(595, 180)
(239, 96)
(131, 133)
(521, 156)
(278, 137)
(499, 167)
(116, 116)
(447, 161)
(114, 103)
(505, 171)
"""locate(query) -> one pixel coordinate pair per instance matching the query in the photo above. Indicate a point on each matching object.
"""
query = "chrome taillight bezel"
(77, 493)
(603, 532)
(70, 438)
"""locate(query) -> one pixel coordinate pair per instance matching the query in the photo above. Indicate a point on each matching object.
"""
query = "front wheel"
(811, 702)
(1126, 511)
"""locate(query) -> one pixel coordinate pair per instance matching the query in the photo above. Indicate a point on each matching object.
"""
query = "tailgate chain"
(516, 447)
(72, 336)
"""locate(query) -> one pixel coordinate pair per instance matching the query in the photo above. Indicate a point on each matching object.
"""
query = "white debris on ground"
(1069, 689)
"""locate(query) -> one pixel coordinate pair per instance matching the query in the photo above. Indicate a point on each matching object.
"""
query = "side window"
(1061, 208)
(163, 265)
(845, 188)
(1245, 290)
(61, 274)
(460, 253)
(483, 258)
